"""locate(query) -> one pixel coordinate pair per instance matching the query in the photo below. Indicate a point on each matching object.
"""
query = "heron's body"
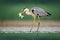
(34, 12)
(39, 11)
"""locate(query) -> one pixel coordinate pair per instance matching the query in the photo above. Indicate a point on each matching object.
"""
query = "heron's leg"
(33, 23)
(38, 23)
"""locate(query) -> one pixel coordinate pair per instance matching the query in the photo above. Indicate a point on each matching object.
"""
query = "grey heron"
(34, 12)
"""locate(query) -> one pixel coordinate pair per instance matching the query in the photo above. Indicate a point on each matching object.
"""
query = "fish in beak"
(20, 14)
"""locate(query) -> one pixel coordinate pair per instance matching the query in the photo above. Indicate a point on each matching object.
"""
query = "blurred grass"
(11, 11)
(29, 36)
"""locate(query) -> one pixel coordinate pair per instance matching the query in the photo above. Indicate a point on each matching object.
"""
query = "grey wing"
(38, 11)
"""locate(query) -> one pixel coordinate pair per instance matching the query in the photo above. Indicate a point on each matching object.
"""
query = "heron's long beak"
(20, 14)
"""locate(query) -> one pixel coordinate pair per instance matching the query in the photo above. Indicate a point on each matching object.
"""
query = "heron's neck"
(28, 13)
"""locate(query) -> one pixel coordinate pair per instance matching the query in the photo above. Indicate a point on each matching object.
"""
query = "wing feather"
(39, 11)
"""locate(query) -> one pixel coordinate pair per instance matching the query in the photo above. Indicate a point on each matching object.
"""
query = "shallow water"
(27, 29)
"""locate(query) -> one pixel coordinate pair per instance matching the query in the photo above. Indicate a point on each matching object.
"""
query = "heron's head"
(25, 9)
(22, 11)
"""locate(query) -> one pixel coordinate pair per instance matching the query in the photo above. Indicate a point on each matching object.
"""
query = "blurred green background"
(9, 9)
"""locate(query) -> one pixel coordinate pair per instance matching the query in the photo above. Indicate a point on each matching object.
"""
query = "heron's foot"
(30, 30)
(37, 31)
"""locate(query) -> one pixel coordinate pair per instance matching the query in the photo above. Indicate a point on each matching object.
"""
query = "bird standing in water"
(34, 12)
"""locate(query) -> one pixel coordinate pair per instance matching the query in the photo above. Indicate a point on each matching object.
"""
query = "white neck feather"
(27, 11)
